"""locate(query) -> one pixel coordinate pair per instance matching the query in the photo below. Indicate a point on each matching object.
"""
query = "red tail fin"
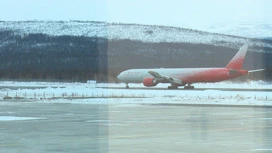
(238, 60)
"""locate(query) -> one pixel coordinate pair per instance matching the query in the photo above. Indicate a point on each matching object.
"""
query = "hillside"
(79, 51)
(145, 33)
(246, 29)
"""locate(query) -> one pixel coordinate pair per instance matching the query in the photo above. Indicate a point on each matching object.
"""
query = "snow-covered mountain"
(250, 30)
(145, 33)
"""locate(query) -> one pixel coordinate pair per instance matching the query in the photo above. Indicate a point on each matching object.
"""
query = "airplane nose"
(119, 77)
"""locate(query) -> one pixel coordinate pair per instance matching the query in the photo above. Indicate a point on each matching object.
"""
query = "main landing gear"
(189, 87)
(172, 87)
(127, 85)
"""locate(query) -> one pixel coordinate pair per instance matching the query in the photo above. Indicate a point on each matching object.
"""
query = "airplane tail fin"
(238, 60)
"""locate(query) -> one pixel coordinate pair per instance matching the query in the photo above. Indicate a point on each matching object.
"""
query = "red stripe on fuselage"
(209, 75)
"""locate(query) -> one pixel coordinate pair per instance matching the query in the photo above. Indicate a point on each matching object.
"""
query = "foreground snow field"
(90, 93)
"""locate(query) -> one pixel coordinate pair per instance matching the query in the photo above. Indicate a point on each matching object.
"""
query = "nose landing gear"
(127, 86)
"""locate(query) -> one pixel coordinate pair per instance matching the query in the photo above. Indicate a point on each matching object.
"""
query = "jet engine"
(150, 82)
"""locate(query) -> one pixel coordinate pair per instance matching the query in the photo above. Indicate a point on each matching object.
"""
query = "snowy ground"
(14, 118)
(86, 93)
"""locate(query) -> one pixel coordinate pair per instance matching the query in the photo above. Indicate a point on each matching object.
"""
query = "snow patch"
(14, 118)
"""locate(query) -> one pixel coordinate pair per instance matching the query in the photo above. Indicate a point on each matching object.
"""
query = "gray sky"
(181, 13)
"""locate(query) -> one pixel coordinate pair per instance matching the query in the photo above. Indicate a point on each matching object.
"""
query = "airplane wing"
(252, 71)
(159, 76)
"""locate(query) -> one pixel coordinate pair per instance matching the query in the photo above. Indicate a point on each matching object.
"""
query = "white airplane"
(186, 76)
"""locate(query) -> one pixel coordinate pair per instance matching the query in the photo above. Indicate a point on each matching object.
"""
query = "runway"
(69, 128)
(221, 87)
(196, 89)
(28, 87)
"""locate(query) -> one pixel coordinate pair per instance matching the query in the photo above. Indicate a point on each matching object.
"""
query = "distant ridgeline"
(82, 58)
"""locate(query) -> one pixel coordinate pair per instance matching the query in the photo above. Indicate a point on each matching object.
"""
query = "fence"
(74, 95)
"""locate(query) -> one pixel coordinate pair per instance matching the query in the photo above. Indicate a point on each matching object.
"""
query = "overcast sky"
(181, 13)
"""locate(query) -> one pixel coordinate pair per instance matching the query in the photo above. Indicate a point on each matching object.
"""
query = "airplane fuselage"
(187, 75)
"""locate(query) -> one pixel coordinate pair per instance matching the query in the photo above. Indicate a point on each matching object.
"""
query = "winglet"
(238, 60)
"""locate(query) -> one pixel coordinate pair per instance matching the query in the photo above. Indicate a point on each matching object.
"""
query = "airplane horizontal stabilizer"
(252, 71)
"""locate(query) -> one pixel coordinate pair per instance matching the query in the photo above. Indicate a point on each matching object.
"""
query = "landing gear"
(127, 85)
(172, 87)
(189, 87)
